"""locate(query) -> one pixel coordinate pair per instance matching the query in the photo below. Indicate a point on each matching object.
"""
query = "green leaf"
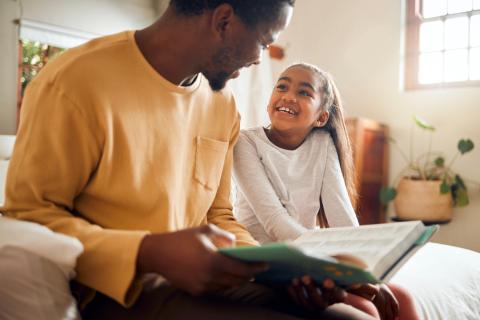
(459, 182)
(461, 197)
(422, 123)
(439, 161)
(465, 146)
(444, 188)
(387, 194)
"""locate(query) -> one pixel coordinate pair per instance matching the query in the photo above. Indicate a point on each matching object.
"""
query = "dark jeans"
(251, 301)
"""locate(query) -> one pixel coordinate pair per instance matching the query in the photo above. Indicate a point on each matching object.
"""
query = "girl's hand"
(386, 303)
(367, 290)
(307, 294)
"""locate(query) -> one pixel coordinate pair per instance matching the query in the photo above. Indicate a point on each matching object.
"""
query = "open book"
(348, 255)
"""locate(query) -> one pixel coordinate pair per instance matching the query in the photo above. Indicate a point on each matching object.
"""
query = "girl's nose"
(288, 96)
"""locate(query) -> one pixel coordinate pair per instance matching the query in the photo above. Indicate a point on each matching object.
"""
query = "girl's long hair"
(335, 125)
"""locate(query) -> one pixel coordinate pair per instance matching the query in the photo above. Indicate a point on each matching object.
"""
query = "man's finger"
(219, 237)
(207, 242)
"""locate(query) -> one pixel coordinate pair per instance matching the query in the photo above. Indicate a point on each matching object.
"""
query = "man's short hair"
(251, 12)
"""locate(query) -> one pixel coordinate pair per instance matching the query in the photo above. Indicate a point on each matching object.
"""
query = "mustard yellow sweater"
(108, 150)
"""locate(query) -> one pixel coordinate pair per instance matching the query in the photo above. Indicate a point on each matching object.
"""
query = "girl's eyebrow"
(307, 84)
(302, 84)
(284, 78)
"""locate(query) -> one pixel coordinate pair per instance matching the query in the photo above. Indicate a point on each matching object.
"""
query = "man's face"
(243, 48)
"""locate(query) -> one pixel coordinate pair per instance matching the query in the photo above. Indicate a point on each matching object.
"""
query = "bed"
(445, 282)
(6, 147)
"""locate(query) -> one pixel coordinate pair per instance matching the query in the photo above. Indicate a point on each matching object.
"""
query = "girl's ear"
(322, 120)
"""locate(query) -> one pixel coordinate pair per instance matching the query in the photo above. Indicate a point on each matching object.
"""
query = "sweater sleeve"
(252, 181)
(334, 194)
(221, 211)
(56, 153)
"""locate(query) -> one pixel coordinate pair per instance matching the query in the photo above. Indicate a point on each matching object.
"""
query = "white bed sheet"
(444, 281)
(60, 249)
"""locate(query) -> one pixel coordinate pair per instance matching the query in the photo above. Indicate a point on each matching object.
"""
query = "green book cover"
(287, 262)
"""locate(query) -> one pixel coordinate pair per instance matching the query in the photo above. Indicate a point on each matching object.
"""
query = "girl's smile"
(288, 110)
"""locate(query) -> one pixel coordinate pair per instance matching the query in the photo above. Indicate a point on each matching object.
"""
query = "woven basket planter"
(422, 200)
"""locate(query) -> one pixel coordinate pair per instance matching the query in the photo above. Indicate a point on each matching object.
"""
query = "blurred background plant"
(432, 166)
(35, 57)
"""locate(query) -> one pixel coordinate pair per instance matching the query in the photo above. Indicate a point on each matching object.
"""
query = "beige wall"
(359, 42)
(92, 16)
(8, 66)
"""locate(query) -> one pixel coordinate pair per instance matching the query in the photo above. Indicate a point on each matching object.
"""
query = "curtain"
(252, 92)
(53, 35)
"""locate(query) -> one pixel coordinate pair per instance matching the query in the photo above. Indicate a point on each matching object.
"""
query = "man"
(126, 143)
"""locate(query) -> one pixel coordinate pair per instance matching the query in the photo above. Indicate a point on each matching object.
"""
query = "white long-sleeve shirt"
(278, 190)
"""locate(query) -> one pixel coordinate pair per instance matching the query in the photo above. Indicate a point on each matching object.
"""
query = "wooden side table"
(371, 158)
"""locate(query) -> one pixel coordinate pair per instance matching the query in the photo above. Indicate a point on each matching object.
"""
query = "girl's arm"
(252, 181)
(337, 205)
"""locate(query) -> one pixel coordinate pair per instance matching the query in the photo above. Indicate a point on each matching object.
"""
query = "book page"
(379, 246)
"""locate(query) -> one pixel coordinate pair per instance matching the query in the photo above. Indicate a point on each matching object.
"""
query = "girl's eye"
(281, 87)
(304, 93)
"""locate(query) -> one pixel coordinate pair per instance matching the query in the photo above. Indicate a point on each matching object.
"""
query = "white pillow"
(3, 178)
(6, 146)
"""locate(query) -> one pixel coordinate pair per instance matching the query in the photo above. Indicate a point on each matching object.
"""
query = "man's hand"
(386, 303)
(307, 294)
(189, 260)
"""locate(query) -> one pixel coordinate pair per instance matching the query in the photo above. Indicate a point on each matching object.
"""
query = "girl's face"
(295, 101)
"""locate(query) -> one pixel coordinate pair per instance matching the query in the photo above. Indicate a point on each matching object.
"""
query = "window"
(35, 56)
(32, 57)
(442, 43)
(39, 43)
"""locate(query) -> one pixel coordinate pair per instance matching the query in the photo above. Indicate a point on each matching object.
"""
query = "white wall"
(359, 42)
(8, 66)
(93, 16)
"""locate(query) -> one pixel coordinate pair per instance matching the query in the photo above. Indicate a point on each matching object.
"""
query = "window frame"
(412, 51)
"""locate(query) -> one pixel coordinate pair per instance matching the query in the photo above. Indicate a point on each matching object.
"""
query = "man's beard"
(218, 81)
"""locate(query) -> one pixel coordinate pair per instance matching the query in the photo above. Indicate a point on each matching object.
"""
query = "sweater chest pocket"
(209, 160)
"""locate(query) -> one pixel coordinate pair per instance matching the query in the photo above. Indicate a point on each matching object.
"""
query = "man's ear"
(322, 119)
(222, 17)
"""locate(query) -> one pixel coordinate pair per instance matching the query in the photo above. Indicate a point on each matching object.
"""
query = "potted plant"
(427, 188)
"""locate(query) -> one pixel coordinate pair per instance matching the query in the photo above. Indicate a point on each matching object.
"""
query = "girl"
(297, 173)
